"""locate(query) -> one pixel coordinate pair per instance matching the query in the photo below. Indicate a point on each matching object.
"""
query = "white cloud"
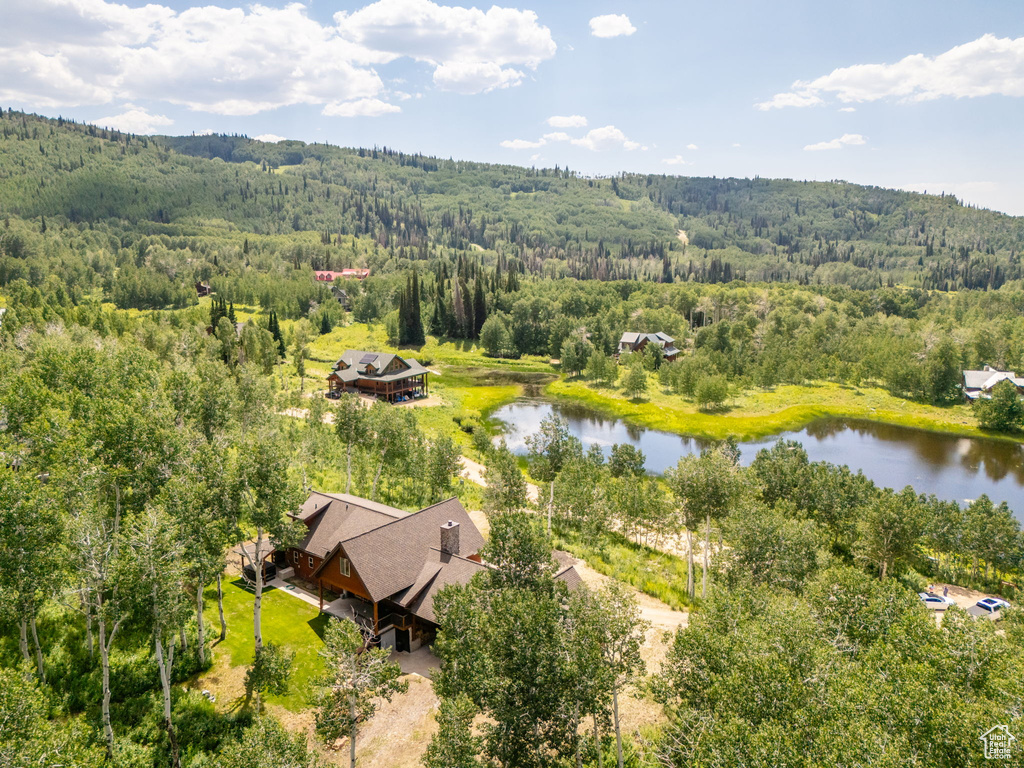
(205, 132)
(608, 137)
(522, 144)
(677, 160)
(847, 139)
(567, 121)
(270, 138)
(737, 145)
(469, 48)
(847, 109)
(691, 146)
(557, 136)
(239, 61)
(780, 100)
(611, 25)
(135, 120)
(360, 108)
(987, 66)
(469, 77)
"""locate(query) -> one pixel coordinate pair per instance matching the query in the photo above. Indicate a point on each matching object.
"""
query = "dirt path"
(474, 472)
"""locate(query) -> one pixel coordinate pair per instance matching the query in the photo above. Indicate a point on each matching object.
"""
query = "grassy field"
(287, 621)
(468, 384)
(760, 413)
(658, 574)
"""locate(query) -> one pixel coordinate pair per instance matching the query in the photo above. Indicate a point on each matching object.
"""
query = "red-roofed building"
(327, 276)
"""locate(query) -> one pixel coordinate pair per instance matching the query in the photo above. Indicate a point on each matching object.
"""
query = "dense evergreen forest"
(377, 206)
(144, 436)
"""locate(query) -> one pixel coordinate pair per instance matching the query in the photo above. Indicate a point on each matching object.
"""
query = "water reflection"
(949, 467)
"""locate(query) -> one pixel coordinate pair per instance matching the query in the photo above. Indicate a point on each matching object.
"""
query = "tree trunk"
(220, 609)
(105, 644)
(23, 640)
(352, 735)
(885, 568)
(576, 735)
(707, 546)
(618, 730)
(39, 649)
(165, 684)
(691, 587)
(257, 603)
(183, 638)
(597, 743)
(551, 503)
(90, 643)
(348, 468)
(200, 629)
(380, 468)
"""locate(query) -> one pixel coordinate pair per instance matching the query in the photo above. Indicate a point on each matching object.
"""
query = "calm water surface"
(950, 467)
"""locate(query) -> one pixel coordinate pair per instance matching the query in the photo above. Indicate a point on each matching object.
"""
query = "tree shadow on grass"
(716, 410)
(319, 624)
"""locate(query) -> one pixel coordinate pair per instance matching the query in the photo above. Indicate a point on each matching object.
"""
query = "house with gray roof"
(980, 383)
(392, 562)
(383, 375)
(635, 342)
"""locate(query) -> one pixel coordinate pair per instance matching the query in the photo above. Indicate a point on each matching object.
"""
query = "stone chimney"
(450, 538)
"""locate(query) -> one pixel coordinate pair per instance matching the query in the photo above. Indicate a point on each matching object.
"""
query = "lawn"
(759, 413)
(287, 621)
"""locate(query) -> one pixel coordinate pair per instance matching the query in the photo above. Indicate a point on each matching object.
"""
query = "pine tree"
(416, 337)
(325, 324)
(403, 317)
(479, 308)
(275, 330)
(231, 313)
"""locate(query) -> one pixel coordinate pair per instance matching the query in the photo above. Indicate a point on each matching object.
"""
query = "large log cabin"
(380, 374)
(387, 564)
(635, 342)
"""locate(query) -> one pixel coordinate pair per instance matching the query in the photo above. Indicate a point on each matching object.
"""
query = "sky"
(917, 95)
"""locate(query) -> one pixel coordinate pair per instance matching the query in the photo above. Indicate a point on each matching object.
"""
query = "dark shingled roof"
(356, 361)
(333, 517)
(390, 558)
(440, 570)
(570, 577)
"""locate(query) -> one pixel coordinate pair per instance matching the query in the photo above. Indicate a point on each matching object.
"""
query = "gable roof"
(439, 570)
(333, 517)
(356, 362)
(989, 377)
(659, 338)
(390, 558)
(570, 577)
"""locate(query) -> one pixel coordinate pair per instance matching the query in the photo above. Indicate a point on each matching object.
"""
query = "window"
(295, 557)
(311, 561)
(343, 566)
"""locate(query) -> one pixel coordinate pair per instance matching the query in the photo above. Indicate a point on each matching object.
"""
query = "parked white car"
(935, 602)
(988, 606)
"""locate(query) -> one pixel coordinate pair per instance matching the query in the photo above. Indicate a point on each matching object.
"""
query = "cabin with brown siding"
(383, 375)
(391, 561)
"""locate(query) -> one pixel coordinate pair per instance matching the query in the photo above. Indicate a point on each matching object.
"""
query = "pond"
(948, 466)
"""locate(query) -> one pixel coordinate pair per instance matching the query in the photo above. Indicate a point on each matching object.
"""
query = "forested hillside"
(376, 206)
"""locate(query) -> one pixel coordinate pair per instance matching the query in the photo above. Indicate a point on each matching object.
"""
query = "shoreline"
(687, 421)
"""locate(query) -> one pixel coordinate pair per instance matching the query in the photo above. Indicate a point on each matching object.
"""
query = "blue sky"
(916, 95)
